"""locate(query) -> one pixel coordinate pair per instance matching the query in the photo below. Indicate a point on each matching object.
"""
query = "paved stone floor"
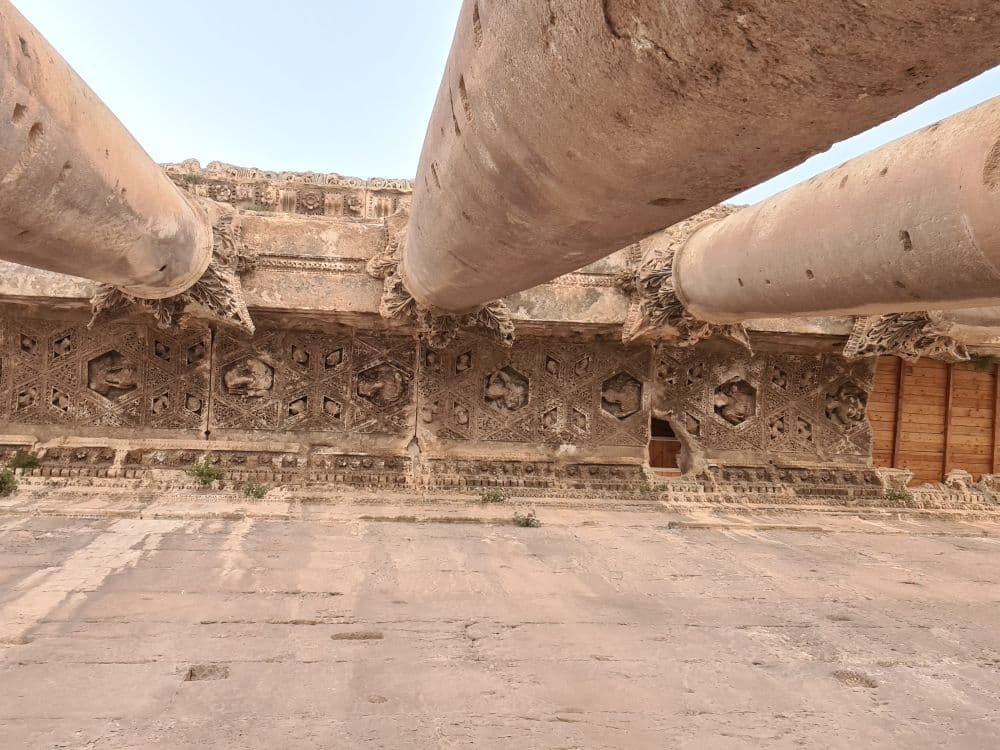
(346, 626)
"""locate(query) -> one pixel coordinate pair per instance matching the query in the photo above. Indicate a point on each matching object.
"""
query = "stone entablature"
(309, 193)
(339, 396)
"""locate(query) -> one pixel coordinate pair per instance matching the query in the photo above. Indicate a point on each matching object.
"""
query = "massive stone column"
(78, 194)
(911, 226)
(566, 129)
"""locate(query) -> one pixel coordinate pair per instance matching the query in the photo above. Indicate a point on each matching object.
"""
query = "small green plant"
(255, 490)
(527, 520)
(896, 494)
(494, 495)
(8, 482)
(205, 473)
(23, 460)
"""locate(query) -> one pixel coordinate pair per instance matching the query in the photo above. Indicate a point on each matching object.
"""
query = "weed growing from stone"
(8, 482)
(254, 490)
(894, 494)
(494, 495)
(23, 460)
(205, 473)
(527, 520)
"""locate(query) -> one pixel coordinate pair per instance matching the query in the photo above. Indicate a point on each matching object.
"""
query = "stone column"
(911, 226)
(567, 129)
(78, 194)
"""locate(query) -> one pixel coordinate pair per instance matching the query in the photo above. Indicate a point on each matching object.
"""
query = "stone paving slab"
(223, 623)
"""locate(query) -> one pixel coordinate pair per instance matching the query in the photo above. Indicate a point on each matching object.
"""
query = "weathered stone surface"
(910, 226)
(272, 624)
(566, 129)
(78, 195)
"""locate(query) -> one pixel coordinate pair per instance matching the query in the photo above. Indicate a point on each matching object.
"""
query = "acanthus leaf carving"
(437, 329)
(656, 311)
(909, 335)
(218, 292)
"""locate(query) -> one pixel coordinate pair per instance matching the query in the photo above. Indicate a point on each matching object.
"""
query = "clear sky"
(311, 85)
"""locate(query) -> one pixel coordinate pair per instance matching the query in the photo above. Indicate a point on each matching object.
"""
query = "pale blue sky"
(322, 85)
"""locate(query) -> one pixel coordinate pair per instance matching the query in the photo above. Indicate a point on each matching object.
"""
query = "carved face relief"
(27, 396)
(28, 344)
(803, 430)
(846, 407)
(298, 407)
(621, 395)
(61, 347)
(552, 366)
(193, 404)
(160, 404)
(382, 384)
(300, 355)
(196, 353)
(550, 419)
(506, 390)
(461, 414)
(776, 428)
(111, 375)
(334, 359)
(252, 378)
(332, 407)
(463, 362)
(735, 401)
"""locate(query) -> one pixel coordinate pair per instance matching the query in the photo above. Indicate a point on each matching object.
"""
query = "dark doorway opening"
(664, 445)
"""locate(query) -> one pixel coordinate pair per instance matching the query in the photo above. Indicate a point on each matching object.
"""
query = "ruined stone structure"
(314, 330)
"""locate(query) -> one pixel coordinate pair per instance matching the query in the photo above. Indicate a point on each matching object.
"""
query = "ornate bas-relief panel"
(119, 375)
(798, 406)
(308, 193)
(340, 381)
(542, 390)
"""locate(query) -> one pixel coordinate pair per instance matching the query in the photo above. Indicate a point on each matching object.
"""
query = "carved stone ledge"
(656, 312)
(218, 294)
(436, 329)
(909, 336)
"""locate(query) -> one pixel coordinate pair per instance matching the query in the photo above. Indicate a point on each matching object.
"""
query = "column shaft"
(913, 225)
(78, 194)
(566, 129)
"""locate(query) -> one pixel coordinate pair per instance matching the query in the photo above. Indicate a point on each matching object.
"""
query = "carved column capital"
(657, 310)
(218, 294)
(436, 329)
(908, 336)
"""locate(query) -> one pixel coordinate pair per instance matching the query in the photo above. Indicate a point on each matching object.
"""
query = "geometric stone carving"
(621, 395)
(847, 405)
(250, 377)
(542, 390)
(736, 401)
(506, 389)
(772, 405)
(111, 375)
(121, 375)
(383, 385)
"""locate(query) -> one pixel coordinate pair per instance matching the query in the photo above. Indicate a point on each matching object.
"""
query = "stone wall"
(377, 408)
(737, 409)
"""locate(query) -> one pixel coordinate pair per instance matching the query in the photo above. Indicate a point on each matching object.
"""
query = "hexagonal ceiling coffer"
(111, 375)
(249, 377)
(383, 385)
(736, 401)
(621, 395)
(506, 389)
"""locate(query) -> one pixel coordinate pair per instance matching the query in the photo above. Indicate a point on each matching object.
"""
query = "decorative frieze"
(727, 403)
(308, 193)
